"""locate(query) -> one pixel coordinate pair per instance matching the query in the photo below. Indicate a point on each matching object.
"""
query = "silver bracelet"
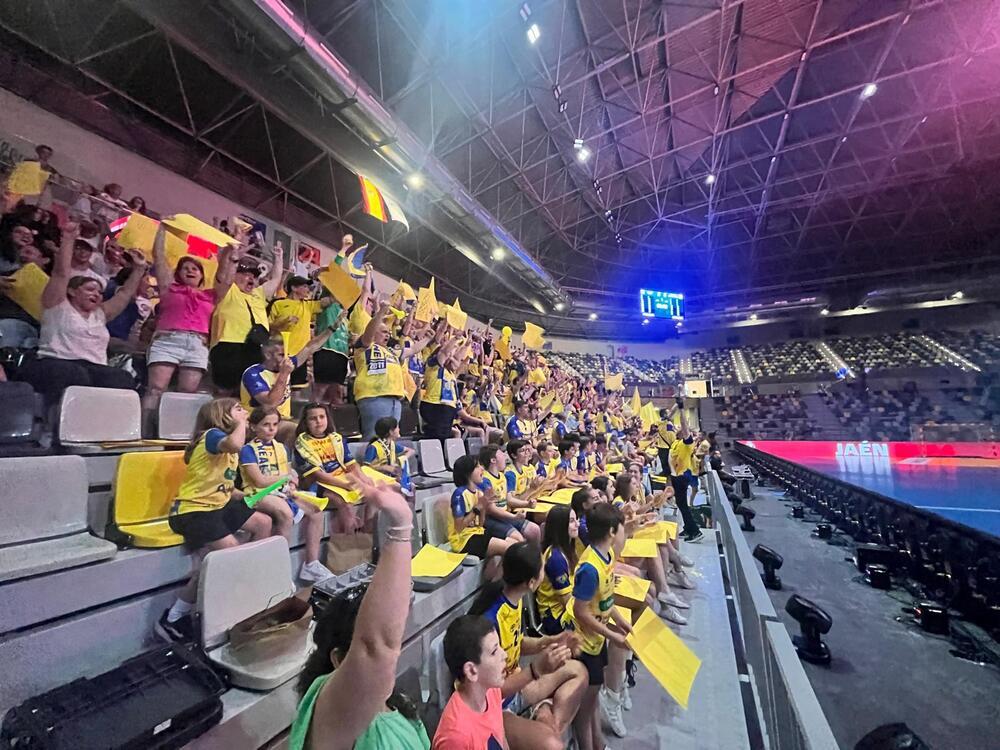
(394, 538)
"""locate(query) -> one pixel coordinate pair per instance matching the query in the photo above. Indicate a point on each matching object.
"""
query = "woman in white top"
(72, 347)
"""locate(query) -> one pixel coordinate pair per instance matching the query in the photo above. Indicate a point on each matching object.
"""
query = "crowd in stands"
(255, 334)
(982, 348)
(888, 351)
(715, 364)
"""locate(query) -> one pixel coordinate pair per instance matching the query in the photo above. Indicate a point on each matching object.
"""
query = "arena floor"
(962, 490)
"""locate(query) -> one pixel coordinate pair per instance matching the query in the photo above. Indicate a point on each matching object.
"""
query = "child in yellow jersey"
(551, 687)
(558, 562)
(208, 510)
(386, 455)
(262, 462)
(466, 530)
(592, 608)
(328, 469)
(500, 520)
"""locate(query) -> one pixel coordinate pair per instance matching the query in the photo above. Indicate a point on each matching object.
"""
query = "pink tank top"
(185, 308)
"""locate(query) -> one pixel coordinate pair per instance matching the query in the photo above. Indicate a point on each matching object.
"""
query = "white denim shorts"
(181, 348)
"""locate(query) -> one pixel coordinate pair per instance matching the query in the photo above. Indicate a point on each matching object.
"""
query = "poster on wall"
(308, 260)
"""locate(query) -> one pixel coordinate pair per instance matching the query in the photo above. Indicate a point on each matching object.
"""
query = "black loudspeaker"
(932, 617)
(874, 554)
(798, 511)
(891, 737)
(824, 531)
(878, 576)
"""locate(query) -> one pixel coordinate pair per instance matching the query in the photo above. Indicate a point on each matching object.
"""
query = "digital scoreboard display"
(668, 305)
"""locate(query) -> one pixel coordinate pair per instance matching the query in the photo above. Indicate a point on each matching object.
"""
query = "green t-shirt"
(338, 341)
(389, 730)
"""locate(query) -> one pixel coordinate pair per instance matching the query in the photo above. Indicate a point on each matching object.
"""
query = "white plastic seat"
(45, 517)
(432, 459)
(454, 448)
(99, 415)
(177, 414)
(436, 520)
(234, 584)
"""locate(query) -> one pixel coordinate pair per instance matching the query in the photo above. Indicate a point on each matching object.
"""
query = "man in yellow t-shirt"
(682, 476)
(294, 315)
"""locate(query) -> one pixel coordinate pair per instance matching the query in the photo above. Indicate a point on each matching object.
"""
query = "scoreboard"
(668, 305)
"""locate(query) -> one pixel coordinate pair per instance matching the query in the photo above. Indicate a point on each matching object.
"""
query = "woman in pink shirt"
(180, 343)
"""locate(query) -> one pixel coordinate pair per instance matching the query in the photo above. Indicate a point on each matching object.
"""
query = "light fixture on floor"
(798, 511)
(932, 617)
(824, 531)
(878, 577)
(814, 622)
(771, 561)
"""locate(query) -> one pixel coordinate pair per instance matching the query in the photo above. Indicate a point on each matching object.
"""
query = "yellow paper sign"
(537, 376)
(636, 403)
(427, 305)
(405, 292)
(27, 178)
(614, 382)
(457, 318)
(666, 656)
(625, 612)
(532, 336)
(632, 588)
(176, 248)
(139, 233)
(614, 468)
(557, 407)
(187, 224)
(561, 497)
(28, 283)
(545, 402)
(660, 532)
(340, 284)
(431, 562)
(639, 548)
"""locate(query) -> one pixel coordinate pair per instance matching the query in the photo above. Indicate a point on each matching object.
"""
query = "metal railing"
(791, 714)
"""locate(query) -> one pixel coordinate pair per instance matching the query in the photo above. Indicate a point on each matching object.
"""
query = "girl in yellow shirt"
(208, 510)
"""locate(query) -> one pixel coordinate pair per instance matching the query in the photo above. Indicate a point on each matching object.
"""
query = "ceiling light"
(525, 11)
(578, 143)
(415, 180)
(534, 33)
(582, 154)
(596, 184)
(824, 311)
(557, 92)
(753, 316)
(645, 321)
(922, 121)
(592, 316)
(716, 91)
(498, 253)
(869, 91)
(563, 105)
(844, 139)
(608, 215)
(710, 179)
(560, 307)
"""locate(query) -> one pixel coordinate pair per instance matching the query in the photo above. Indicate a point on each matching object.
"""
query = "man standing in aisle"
(682, 475)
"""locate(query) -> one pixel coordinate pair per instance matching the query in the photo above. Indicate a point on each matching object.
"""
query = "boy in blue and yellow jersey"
(586, 462)
(523, 478)
(555, 698)
(566, 469)
(385, 454)
(466, 530)
(521, 426)
(592, 607)
(500, 521)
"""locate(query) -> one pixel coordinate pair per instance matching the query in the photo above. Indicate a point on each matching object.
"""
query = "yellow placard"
(27, 178)
(532, 336)
(666, 656)
(632, 588)
(27, 284)
(427, 305)
(311, 498)
(546, 401)
(139, 233)
(405, 292)
(558, 407)
(431, 562)
(340, 284)
(409, 385)
(353, 497)
(636, 403)
(639, 548)
(187, 224)
(560, 497)
(457, 318)
(625, 612)
(176, 248)
(614, 468)
(537, 376)
(614, 382)
(661, 532)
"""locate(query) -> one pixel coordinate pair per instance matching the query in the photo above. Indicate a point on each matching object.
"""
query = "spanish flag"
(375, 203)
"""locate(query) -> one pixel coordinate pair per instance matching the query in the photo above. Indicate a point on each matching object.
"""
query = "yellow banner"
(27, 284)
(139, 233)
(187, 224)
(427, 305)
(27, 178)
(340, 284)
(532, 336)
(614, 382)
(666, 656)
(457, 318)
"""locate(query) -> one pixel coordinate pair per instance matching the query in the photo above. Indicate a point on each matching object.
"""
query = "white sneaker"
(611, 707)
(314, 572)
(671, 599)
(671, 614)
(681, 580)
(626, 698)
(686, 561)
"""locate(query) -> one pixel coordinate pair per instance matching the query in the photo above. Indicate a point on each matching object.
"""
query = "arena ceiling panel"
(736, 151)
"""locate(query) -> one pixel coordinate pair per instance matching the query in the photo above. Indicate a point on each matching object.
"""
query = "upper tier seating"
(784, 359)
(45, 517)
(714, 364)
(889, 351)
(980, 347)
(764, 416)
